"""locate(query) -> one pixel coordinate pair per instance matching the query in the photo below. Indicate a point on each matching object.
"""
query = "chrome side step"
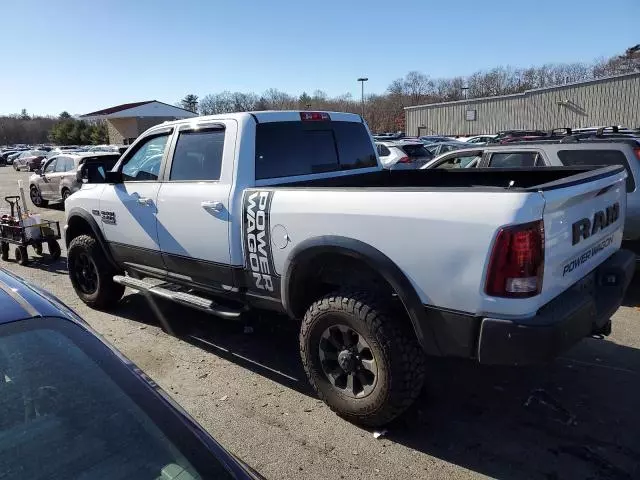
(183, 298)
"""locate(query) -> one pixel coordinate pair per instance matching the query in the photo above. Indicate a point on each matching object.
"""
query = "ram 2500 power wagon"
(292, 212)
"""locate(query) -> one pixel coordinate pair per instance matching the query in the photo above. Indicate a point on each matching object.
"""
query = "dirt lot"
(577, 418)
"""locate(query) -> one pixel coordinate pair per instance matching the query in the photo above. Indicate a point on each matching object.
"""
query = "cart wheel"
(38, 248)
(54, 249)
(22, 257)
(4, 251)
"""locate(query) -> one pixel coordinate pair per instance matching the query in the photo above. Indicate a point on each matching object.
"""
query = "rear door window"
(598, 157)
(286, 149)
(516, 159)
(198, 156)
(61, 164)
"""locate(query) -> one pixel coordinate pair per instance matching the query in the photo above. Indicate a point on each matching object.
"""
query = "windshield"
(71, 409)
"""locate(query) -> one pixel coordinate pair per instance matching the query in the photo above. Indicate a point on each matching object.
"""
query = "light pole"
(465, 93)
(362, 80)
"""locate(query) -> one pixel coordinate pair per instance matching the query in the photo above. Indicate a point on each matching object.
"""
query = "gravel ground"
(577, 418)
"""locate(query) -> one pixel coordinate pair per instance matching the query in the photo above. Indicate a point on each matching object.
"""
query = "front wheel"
(91, 275)
(364, 363)
(4, 251)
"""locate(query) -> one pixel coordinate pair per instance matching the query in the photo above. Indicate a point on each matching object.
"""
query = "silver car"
(59, 177)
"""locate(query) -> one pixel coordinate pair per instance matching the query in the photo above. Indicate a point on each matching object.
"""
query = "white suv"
(403, 154)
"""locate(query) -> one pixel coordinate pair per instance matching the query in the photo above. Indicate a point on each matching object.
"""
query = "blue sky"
(83, 55)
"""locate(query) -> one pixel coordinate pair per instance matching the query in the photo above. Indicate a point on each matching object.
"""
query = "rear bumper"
(583, 310)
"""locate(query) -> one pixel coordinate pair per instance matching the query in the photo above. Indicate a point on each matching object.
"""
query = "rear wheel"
(4, 251)
(36, 197)
(66, 193)
(38, 248)
(364, 363)
(91, 275)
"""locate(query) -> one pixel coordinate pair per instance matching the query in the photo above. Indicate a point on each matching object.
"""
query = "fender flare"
(97, 233)
(376, 260)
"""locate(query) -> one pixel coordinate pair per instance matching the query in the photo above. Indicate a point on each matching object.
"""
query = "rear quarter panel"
(439, 239)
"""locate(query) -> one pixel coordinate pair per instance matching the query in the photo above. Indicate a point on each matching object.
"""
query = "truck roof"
(265, 116)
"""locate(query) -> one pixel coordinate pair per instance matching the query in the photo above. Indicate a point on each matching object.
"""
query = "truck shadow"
(575, 418)
(264, 344)
(632, 297)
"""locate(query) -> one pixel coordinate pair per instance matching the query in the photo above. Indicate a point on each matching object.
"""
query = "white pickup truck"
(291, 211)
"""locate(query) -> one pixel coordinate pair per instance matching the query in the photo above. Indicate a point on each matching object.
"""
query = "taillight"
(314, 116)
(404, 160)
(637, 150)
(517, 261)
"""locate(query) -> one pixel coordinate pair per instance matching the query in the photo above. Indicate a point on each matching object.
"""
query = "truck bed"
(524, 179)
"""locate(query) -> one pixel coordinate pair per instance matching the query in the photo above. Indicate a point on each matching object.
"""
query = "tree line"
(385, 112)
(61, 130)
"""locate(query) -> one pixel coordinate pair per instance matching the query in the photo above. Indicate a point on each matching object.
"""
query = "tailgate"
(583, 224)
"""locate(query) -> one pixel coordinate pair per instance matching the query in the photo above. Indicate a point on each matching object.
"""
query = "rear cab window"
(285, 149)
(598, 157)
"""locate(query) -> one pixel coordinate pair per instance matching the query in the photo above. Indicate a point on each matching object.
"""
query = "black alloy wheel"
(347, 361)
(86, 273)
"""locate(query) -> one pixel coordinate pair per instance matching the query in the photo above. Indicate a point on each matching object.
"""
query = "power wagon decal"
(256, 233)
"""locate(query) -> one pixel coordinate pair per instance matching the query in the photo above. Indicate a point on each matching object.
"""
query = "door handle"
(146, 202)
(215, 206)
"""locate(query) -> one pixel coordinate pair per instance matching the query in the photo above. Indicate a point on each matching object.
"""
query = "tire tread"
(395, 337)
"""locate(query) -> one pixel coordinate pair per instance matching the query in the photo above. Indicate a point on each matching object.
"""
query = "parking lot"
(576, 418)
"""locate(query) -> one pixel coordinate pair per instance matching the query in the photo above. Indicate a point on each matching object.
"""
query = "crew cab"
(292, 212)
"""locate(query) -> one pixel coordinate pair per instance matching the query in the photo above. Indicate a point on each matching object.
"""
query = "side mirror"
(39, 172)
(113, 177)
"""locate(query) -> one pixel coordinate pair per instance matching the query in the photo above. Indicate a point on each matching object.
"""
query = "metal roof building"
(125, 122)
(602, 102)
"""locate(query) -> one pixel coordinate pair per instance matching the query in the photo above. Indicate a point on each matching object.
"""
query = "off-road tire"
(400, 360)
(4, 251)
(107, 293)
(22, 256)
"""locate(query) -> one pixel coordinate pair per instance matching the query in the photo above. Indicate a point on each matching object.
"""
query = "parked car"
(74, 407)
(507, 135)
(29, 160)
(480, 139)
(439, 148)
(59, 178)
(403, 154)
(12, 156)
(5, 155)
(556, 153)
(292, 212)
(429, 139)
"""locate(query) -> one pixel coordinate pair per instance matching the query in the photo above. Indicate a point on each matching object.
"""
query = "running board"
(183, 298)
